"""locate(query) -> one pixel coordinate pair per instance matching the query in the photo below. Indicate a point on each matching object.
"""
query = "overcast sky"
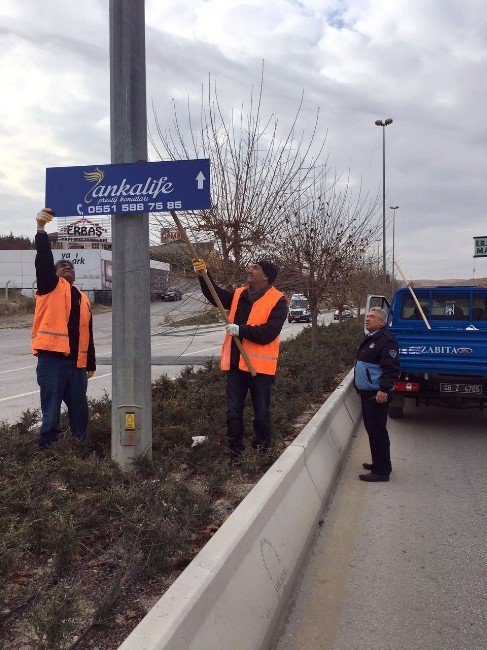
(420, 62)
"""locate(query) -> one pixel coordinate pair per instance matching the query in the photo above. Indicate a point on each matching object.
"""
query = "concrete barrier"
(233, 592)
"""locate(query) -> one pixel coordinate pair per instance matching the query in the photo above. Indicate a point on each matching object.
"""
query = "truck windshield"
(299, 304)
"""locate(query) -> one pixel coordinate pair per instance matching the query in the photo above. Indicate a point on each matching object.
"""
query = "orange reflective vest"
(50, 329)
(263, 357)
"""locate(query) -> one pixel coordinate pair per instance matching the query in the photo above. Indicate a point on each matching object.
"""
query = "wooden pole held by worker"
(204, 274)
(414, 296)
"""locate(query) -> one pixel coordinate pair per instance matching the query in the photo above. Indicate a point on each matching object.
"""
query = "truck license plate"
(465, 389)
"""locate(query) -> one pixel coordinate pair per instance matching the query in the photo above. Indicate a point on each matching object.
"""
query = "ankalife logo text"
(437, 349)
(151, 189)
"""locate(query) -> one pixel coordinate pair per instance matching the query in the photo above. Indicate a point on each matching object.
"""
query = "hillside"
(476, 282)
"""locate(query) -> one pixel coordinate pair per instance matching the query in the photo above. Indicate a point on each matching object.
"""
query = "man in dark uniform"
(376, 370)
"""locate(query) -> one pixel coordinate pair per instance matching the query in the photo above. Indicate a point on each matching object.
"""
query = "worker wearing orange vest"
(257, 314)
(62, 339)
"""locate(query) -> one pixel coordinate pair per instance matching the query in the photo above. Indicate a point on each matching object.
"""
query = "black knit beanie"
(269, 268)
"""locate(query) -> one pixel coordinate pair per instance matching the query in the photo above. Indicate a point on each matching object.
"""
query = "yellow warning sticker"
(129, 421)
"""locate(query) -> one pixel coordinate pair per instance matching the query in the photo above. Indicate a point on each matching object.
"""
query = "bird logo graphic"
(96, 177)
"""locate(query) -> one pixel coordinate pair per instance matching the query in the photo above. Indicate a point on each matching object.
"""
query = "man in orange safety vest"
(257, 314)
(62, 340)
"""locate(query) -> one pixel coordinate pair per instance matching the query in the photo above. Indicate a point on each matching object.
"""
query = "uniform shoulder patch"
(393, 353)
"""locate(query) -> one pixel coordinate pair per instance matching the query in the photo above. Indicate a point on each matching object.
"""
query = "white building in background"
(93, 270)
(83, 232)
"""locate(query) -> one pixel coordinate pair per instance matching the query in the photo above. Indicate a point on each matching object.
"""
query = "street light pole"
(131, 348)
(393, 208)
(383, 124)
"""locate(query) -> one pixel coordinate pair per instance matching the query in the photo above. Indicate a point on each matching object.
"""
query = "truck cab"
(447, 364)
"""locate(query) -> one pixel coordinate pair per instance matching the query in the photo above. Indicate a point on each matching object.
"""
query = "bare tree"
(257, 174)
(364, 280)
(324, 238)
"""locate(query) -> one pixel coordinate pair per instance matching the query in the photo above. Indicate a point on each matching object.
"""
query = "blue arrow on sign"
(129, 188)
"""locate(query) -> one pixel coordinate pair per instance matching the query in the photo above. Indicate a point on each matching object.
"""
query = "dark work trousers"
(60, 381)
(238, 384)
(375, 422)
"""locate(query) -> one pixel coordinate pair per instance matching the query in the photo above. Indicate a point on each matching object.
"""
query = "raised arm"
(47, 279)
(225, 296)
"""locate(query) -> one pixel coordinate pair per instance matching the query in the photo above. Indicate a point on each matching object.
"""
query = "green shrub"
(93, 533)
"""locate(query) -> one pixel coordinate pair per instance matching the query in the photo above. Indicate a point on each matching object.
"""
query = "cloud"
(420, 62)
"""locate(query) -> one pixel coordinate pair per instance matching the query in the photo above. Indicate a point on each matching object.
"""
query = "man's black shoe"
(373, 478)
(235, 459)
(261, 447)
(368, 466)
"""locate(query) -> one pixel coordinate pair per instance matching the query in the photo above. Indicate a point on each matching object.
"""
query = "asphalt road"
(173, 347)
(402, 565)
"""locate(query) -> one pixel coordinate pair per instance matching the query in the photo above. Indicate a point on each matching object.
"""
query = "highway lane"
(402, 564)
(18, 385)
(175, 347)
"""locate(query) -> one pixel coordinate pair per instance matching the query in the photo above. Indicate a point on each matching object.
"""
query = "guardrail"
(234, 591)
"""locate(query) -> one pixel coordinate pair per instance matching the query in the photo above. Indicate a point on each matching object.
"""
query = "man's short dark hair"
(63, 263)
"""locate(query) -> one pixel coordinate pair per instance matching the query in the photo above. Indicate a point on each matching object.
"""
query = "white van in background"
(299, 309)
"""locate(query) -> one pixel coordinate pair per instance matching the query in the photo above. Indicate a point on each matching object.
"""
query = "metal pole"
(393, 241)
(393, 208)
(384, 201)
(131, 351)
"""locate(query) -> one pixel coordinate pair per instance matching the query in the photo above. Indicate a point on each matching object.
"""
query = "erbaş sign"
(83, 229)
(480, 246)
(129, 188)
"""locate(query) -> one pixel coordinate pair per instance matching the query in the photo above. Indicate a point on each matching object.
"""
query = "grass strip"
(86, 548)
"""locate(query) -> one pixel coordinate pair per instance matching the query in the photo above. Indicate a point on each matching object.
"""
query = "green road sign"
(480, 246)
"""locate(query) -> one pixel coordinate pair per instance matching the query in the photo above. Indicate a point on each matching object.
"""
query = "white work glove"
(43, 216)
(232, 329)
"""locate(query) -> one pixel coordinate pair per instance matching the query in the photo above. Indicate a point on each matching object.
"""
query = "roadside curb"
(234, 591)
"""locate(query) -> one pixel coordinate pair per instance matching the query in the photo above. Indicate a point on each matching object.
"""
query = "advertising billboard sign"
(83, 229)
(128, 188)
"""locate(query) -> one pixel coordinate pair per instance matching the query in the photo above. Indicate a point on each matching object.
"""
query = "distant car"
(346, 313)
(172, 293)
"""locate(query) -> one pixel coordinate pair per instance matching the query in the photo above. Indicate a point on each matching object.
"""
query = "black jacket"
(377, 366)
(261, 334)
(47, 281)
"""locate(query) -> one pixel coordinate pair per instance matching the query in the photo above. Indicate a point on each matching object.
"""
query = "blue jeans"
(60, 381)
(238, 384)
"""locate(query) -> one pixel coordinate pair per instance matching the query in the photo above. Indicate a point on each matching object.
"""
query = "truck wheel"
(396, 411)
